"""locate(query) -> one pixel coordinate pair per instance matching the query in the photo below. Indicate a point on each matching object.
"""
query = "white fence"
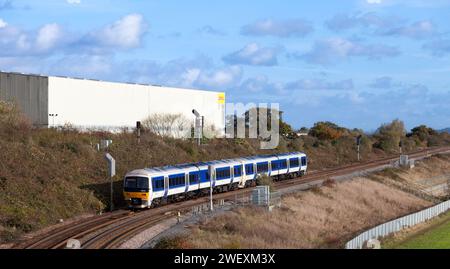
(397, 225)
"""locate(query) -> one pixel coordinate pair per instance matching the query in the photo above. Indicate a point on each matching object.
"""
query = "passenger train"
(146, 188)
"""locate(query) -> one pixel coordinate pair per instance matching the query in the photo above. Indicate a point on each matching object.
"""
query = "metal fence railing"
(397, 225)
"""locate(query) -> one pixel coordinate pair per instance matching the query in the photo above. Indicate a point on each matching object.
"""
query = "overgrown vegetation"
(265, 180)
(324, 217)
(49, 174)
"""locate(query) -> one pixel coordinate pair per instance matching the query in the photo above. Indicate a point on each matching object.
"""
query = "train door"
(186, 182)
(212, 175)
(166, 186)
(269, 168)
(243, 176)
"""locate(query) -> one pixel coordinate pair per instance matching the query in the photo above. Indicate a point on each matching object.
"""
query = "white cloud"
(420, 29)
(382, 25)
(126, 32)
(320, 84)
(261, 84)
(336, 49)
(48, 36)
(286, 28)
(88, 66)
(74, 2)
(220, 78)
(374, 1)
(253, 54)
(3, 23)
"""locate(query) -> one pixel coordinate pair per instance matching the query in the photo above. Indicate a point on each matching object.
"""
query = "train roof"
(179, 168)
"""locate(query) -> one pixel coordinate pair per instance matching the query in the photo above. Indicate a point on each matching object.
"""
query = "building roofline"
(114, 82)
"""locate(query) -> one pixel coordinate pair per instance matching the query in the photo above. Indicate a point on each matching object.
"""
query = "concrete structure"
(93, 104)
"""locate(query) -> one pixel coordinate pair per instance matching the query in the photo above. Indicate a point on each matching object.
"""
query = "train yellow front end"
(137, 192)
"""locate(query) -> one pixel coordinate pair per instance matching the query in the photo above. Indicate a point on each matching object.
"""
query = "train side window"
(294, 162)
(275, 165)
(303, 161)
(262, 167)
(177, 180)
(158, 183)
(238, 171)
(193, 178)
(223, 173)
(249, 169)
(204, 176)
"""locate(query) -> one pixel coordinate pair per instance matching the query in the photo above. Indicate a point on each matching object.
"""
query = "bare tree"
(168, 125)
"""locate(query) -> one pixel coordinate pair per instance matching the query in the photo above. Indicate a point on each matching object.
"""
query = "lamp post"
(138, 130)
(53, 118)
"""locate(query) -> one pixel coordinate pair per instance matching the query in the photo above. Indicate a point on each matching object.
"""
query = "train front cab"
(137, 191)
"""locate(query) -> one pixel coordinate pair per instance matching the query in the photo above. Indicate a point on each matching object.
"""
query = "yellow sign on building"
(221, 98)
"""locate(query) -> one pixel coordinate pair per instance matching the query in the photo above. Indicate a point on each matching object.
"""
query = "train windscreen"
(136, 184)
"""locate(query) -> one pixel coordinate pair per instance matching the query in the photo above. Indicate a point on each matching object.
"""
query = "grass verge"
(432, 235)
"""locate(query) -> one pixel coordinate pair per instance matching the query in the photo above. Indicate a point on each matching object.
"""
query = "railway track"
(111, 230)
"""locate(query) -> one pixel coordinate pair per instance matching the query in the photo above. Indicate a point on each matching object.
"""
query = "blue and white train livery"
(149, 187)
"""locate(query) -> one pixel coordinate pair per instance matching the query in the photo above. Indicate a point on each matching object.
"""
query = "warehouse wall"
(100, 104)
(29, 92)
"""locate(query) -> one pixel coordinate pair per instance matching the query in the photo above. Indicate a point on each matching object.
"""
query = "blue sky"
(358, 63)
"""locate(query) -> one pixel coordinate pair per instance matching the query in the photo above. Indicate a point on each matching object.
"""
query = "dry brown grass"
(428, 173)
(323, 218)
(428, 168)
(48, 174)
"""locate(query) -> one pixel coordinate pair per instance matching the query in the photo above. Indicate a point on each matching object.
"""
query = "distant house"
(299, 134)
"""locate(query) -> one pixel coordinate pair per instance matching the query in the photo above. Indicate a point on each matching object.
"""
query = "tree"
(389, 135)
(327, 131)
(422, 132)
(167, 125)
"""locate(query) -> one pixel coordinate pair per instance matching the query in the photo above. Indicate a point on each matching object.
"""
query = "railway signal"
(111, 173)
(358, 144)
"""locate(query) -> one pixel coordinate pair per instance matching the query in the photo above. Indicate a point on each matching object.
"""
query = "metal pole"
(359, 157)
(211, 187)
(111, 174)
(112, 190)
(203, 124)
(210, 197)
(138, 129)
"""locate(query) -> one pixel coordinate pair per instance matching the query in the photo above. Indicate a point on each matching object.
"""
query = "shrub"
(327, 131)
(12, 123)
(389, 136)
(168, 125)
(173, 242)
(265, 180)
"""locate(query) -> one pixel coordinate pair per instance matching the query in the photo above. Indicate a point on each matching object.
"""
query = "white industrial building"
(92, 104)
